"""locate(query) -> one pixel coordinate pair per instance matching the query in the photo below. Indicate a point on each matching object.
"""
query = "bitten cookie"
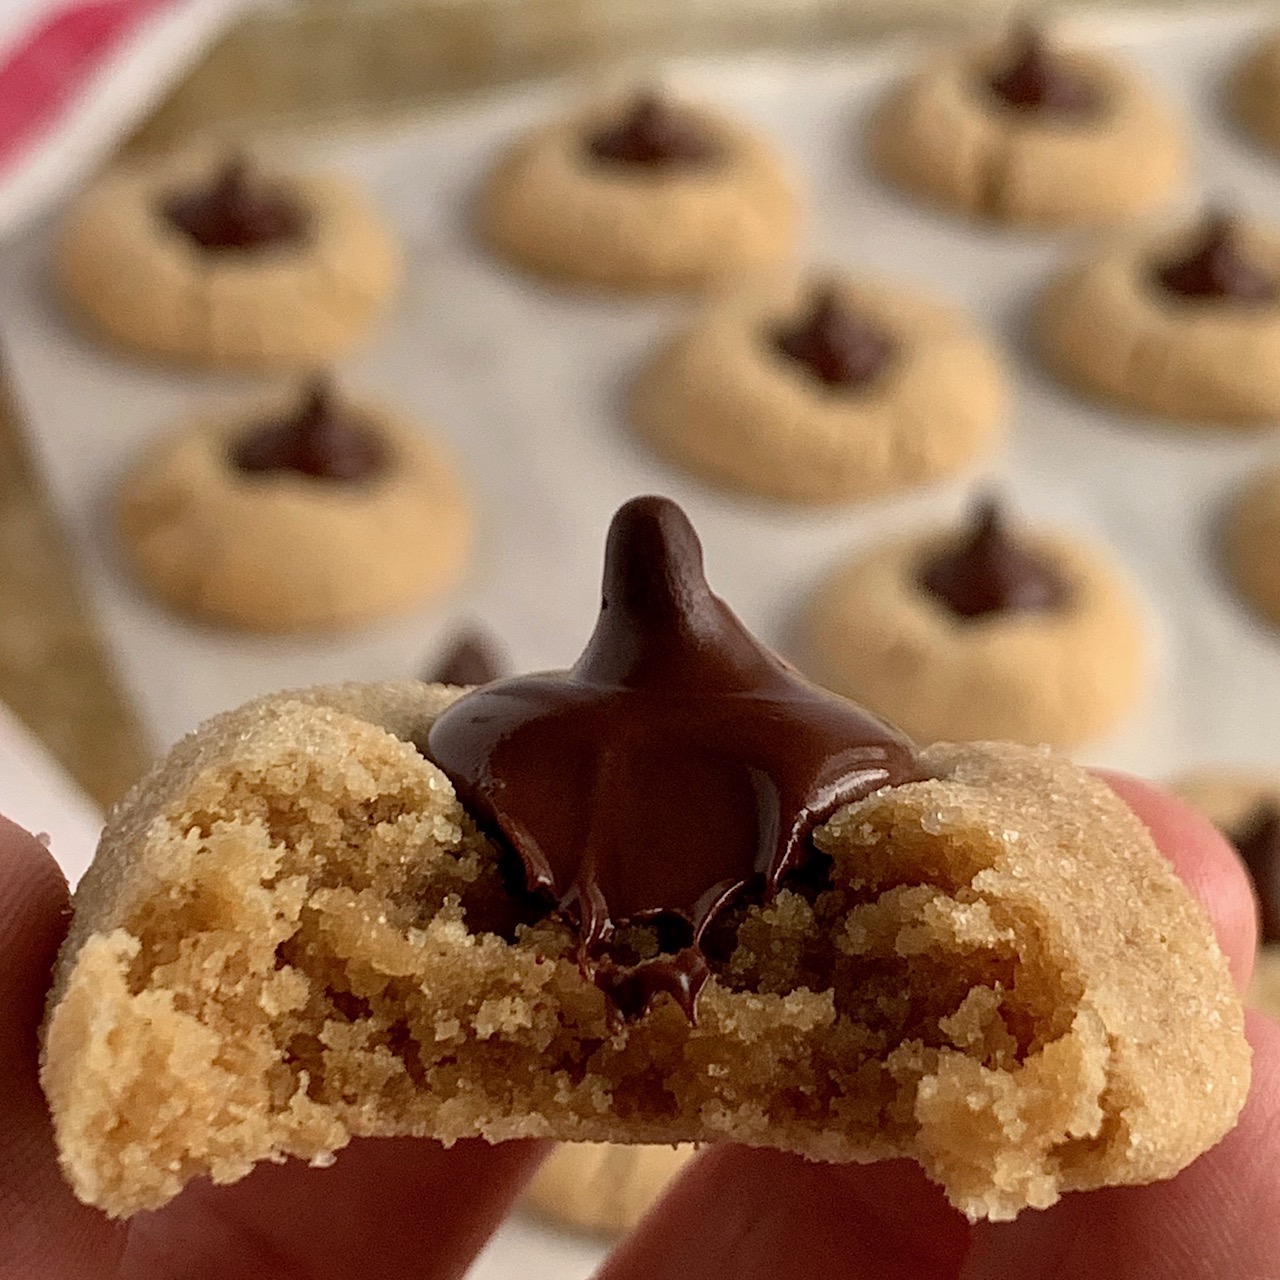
(717, 903)
(824, 393)
(982, 633)
(1183, 324)
(292, 516)
(1027, 133)
(1245, 807)
(603, 1186)
(215, 262)
(1254, 92)
(1253, 543)
(642, 193)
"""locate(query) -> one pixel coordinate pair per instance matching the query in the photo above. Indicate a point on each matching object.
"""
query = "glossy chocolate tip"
(660, 623)
(652, 563)
(989, 571)
(1257, 841)
(676, 767)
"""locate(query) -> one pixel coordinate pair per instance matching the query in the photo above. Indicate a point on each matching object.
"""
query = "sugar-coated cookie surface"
(279, 549)
(603, 1187)
(897, 390)
(294, 301)
(1075, 137)
(724, 207)
(293, 934)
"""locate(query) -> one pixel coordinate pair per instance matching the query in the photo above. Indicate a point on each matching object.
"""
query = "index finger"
(1204, 861)
(784, 1216)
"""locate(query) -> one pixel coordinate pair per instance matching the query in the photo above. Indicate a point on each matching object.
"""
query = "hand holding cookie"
(367, 1215)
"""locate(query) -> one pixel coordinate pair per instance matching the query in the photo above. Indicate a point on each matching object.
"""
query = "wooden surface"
(54, 670)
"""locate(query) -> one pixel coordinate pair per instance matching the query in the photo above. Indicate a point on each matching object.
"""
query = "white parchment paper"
(528, 383)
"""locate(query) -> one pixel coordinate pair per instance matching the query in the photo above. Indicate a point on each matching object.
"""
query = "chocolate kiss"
(470, 659)
(235, 211)
(990, 572)
(1035, 79)
(1216, 267)
(677, 763)
(835, 344)
(323, 441)
(1258, 844)
(653, 133)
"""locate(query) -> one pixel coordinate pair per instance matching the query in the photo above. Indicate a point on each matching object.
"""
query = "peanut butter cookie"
(825, 393)
(642, 193)
(1183, 324)
(676, 894)
(982, 633)
(295, 516)
(1022, 132)
(217, 263)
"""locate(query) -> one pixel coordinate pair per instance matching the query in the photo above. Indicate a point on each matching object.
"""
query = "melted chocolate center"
(834, 343)
(1036, 80)
(989, 571)
(236, 211)
(654, 133)
(1216, 267)
(323, 440)
(677, 763)
(1258, 843)
(470, 659)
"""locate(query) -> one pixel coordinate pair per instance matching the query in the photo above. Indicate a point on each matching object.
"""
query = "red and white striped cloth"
(75, 75)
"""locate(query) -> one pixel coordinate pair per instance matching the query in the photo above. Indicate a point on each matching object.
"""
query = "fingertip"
(1205, 861)
(34, 913)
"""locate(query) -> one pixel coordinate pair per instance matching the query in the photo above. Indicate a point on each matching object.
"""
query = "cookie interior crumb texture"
(293, 934)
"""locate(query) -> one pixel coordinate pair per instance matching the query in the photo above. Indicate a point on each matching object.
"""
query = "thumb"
(44, 1231)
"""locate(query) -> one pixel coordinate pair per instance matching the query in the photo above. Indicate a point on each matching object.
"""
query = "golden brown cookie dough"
(1245, 807)
(1108, 327)
(726, 207)
(1254, 92)
(1102, 149)
(1061, 673)
(896, 390)
(602, 1186)
(280, 550)
(311, 292)
(1253, 543)
(293, 934)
